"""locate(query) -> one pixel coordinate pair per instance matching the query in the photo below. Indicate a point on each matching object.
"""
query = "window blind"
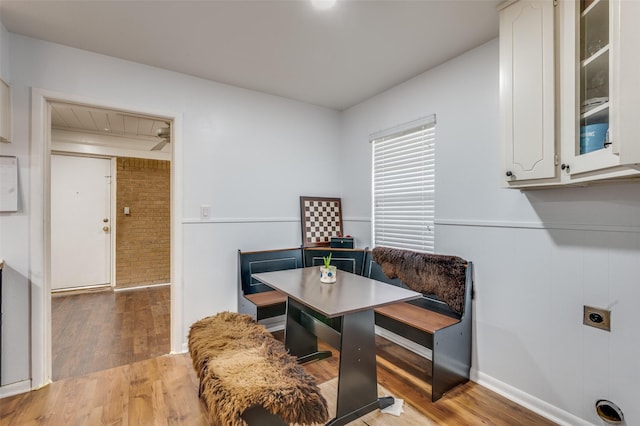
(403, 188)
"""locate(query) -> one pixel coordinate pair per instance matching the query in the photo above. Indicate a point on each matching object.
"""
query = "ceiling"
(114, 123)
(105, 127)
(334, 58)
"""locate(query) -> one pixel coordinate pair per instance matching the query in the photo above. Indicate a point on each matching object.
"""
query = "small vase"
(328, 275)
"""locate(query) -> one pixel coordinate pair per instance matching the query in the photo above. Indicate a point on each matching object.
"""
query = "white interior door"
(80, 221)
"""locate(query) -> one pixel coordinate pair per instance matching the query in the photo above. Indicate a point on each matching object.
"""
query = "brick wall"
(143, 236)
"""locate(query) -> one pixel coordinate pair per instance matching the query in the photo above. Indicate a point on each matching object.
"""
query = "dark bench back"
(427, 301)
(265, 261)
(350, 260)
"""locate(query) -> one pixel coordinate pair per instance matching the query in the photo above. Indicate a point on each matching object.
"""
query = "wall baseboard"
(15, 388)
(528, 401)
(71, 291)
(139, 287)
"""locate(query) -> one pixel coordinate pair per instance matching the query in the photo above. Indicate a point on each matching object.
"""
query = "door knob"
(105, 228)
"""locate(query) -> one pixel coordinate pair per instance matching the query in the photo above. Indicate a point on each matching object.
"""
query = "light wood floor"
(95, 331)
(164, 390)
(406, 376)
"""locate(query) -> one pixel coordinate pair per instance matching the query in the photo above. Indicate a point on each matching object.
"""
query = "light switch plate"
(204, 212)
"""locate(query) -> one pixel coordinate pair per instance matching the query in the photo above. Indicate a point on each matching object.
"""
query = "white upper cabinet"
(527, 91)
(595, 100)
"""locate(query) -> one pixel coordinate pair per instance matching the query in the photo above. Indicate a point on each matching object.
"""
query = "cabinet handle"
(509, 174)
(564, 166)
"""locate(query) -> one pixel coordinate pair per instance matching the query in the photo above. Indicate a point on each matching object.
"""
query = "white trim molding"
(191, 220)
(139, 287)
(15, 388)
(194, 220)
(536, 225)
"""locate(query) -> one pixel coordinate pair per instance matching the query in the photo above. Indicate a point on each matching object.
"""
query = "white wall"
(246, 154)
(14, 251)
(539, 255)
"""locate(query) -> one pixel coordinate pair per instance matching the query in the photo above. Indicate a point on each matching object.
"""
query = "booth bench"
(439, 321)
(429, 321)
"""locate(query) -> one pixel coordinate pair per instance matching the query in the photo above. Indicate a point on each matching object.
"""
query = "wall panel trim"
(536, 225)
(192, 220)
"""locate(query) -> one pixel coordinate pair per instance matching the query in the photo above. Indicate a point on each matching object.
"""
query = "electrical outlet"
(597, 317)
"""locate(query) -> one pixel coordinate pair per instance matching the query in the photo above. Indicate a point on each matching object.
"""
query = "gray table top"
(350, 293)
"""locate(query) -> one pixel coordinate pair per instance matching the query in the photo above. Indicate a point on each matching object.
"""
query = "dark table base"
(354, 336)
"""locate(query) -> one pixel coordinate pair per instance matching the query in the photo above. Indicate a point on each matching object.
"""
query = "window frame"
(403, 216)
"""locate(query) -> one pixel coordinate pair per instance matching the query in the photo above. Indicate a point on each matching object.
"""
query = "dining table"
(340, 314)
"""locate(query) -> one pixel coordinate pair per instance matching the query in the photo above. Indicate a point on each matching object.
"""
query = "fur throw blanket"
(427, 273)
(241, 365)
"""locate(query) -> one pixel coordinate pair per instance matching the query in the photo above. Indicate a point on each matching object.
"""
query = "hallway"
(100, 330)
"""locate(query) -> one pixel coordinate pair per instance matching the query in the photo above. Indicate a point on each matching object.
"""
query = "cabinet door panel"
(602, 40)
(527, 89)
(626, 69)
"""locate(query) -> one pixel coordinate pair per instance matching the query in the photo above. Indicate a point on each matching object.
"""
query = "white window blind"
(403, 188)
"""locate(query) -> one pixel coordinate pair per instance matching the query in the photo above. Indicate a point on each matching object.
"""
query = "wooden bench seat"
(266, 298)
(417, 317)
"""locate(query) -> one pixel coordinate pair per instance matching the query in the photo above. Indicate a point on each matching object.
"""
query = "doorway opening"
(149, 152)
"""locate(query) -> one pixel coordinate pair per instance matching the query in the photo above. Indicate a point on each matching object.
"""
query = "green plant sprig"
(327, 260)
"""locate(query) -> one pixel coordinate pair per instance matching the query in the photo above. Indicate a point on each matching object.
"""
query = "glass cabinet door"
(594, 72)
